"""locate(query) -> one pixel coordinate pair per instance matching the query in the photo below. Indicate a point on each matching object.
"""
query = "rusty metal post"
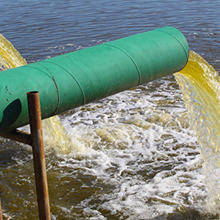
(19, 136)
(0, 211)
(38, 155)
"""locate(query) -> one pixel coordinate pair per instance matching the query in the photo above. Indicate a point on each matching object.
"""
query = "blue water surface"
(33, 26)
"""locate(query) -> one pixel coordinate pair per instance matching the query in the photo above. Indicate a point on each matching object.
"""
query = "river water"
(134, 155)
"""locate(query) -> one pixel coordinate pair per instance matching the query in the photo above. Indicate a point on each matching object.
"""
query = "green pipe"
(83, 76)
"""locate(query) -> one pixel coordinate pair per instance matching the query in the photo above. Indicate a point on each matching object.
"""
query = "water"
(201, 94)
(134, 155)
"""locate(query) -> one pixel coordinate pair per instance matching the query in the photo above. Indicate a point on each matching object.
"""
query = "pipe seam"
(51, 77)
(186, 53)
(84, 98)
(136, 66)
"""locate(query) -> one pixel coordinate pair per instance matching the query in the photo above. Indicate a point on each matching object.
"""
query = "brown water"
(134, 155)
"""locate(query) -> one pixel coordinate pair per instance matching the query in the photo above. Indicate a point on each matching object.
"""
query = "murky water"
(134, 155)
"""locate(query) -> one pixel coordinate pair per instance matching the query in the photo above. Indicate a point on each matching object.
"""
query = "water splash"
(130, 142)
(9, 56)
(200, 86)
(57, 140)
(55, 134)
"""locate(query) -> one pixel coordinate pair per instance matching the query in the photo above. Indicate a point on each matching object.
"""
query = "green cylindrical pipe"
(83, 76)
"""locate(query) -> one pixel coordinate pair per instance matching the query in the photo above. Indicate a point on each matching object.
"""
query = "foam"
(133, 155)
(144, 149)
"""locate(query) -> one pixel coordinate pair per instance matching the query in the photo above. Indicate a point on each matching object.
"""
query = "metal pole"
(0, 211)
(38, 155)
(19, 136)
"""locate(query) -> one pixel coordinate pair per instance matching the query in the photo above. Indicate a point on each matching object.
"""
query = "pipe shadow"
(10, 114)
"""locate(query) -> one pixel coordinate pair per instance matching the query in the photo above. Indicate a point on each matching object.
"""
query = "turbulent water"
(140, 154)
(133, 155)
(9, 56)
(201, 91)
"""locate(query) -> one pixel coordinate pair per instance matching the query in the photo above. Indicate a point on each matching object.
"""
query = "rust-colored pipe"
(0, 211)
(19, 136)
(38, 155)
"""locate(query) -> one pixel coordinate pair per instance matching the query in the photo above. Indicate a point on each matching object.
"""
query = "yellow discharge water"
(200, 87)
(56, 138)
(55, 135)
(9, 56)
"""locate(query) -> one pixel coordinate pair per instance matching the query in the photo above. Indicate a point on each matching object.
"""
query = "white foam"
(140, 144)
